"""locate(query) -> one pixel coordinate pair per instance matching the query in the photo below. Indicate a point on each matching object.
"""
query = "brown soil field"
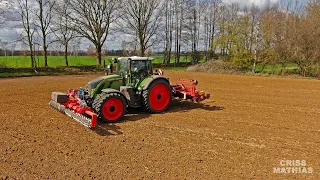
(247, 127)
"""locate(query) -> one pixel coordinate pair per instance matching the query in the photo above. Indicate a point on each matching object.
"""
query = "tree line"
(282, 33)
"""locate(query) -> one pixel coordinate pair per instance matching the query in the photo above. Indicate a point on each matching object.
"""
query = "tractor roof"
(136, 58)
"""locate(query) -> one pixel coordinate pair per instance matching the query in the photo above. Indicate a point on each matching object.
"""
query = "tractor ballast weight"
(134, 85)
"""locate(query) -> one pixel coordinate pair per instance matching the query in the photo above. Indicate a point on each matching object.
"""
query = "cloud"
(259, 3)
(9, 34)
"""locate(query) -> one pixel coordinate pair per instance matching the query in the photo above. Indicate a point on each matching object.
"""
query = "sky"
(259, 3)
(10, 32)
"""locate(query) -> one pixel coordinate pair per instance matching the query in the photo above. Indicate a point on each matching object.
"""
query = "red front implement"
(74, 107)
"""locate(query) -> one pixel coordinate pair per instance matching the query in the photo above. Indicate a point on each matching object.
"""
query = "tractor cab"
(134, 69)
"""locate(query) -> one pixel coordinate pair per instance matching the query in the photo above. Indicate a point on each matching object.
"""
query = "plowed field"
(244, 131)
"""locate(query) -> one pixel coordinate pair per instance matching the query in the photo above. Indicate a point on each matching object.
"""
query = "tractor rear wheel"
(157, 98)
(110, 107)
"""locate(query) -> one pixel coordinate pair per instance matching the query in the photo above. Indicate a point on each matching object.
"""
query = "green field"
(54, 61)
(58, 61)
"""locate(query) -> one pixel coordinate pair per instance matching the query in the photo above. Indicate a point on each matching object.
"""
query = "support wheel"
(157, 98)
(109, 107)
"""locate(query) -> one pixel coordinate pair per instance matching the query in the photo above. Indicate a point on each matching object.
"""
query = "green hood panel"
(110, 81)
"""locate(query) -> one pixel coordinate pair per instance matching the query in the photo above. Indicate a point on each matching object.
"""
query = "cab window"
(122, 67)
(141, 67)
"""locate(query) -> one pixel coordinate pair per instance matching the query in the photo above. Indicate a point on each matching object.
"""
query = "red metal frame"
(186, 89)
(73, 103)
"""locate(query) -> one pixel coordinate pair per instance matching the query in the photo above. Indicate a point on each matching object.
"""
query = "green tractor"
(133, 85)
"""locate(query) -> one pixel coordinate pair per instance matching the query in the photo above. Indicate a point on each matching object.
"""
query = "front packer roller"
(71, 105)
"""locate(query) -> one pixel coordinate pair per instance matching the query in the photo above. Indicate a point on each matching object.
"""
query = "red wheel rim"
(112, 109)
(159, 97)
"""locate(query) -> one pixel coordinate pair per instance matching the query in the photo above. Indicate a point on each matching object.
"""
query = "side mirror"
(115, 60)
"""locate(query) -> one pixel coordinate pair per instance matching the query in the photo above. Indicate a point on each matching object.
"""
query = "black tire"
(101, 108)
(146, 98)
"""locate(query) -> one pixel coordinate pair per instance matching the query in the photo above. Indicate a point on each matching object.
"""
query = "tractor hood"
(95, 82)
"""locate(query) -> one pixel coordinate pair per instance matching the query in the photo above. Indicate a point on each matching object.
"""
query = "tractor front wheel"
(157, 98)
(110, 107)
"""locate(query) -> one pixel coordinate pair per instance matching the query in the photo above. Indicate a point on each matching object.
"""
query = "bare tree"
(141, 19)
(4, 46)
(25, 11)
(44, 13)
(210, 26)
(3, 6)
(62, 28)
(75, 46)
(12, 47)
(267, 29)
(171, 29)
(178, 26)
(192, 27)
(168, 32)
(254, 19)
(92, 20)
(124, 48)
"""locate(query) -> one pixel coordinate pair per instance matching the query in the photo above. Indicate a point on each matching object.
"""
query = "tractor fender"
(146, 82)
(109, 90)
